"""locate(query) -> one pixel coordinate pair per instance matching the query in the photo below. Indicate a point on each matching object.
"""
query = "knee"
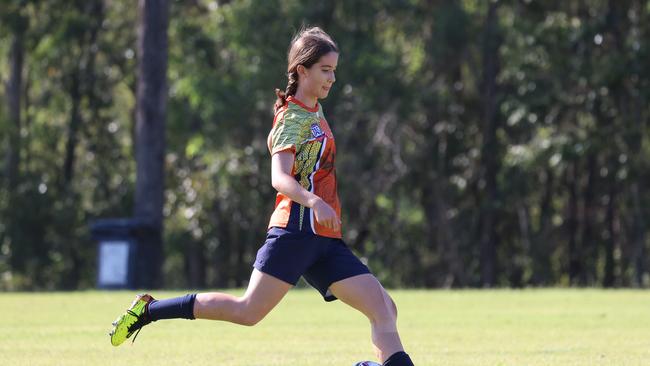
(250, 319)
(393, 306)
(248, 315)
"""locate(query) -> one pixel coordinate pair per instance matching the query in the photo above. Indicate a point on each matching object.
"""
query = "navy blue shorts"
(287, 255)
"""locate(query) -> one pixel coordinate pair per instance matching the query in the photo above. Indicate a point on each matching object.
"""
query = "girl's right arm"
(281, 179)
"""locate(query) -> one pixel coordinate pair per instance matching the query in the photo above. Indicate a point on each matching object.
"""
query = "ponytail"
(292, 88)
(282, 99)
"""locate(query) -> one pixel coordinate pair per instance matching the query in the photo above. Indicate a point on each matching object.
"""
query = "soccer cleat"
(132, 320)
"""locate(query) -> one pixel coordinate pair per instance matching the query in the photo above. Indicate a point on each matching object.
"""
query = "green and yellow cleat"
(132, 320)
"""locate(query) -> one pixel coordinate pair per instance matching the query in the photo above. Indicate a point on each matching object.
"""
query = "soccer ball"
(367, 363)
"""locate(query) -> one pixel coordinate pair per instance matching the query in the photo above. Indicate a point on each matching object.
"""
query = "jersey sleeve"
(285, 134)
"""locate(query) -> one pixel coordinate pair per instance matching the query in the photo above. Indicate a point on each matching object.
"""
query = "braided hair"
(307, 47)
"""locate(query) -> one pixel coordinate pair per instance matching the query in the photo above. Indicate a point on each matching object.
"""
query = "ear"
(302, 70)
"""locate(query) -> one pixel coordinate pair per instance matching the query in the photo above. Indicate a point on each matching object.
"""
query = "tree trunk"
(611, 243)
(631, 103)
(221, 260)
(73, 127)
(639, 221)
(489, 151)
(541, 250)
(13, 90)
(434, 201)
(586, 252)
(439, 233)
(572, 222)
(522, 261)
(639, 239)
(82, 84)
(150, 127)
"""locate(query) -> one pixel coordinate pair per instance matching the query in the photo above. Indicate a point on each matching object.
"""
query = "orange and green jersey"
(305, 132)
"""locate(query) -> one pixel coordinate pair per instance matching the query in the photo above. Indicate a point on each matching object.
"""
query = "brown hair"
(307, 47)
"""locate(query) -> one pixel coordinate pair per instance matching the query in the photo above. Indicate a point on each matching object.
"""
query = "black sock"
(399, 359)
(177, 307)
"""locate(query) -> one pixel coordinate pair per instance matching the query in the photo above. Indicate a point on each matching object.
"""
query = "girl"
(304, 236)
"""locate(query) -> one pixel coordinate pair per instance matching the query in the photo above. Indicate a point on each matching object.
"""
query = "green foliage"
(408, 112)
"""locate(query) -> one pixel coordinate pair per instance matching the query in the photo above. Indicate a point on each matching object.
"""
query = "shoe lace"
(137, 325)
(135, 335)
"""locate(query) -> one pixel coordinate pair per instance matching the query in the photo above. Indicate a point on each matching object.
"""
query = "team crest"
(316, 130)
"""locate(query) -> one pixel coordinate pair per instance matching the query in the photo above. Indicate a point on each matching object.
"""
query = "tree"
(150, 127)
(18, 24)
(490, 147)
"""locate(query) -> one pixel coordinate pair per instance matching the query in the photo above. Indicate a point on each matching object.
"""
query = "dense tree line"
(481, 143)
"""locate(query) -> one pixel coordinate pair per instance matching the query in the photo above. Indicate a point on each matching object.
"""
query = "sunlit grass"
(502, 327)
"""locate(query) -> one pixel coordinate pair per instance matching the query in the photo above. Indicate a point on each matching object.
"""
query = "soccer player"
(304, 235)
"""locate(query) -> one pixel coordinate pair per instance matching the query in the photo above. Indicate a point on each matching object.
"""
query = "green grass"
(502, 327)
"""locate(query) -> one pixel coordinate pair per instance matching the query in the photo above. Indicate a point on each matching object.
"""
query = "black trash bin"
(128, 253)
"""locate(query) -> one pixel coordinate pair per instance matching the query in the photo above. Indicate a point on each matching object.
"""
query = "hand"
(325, 215)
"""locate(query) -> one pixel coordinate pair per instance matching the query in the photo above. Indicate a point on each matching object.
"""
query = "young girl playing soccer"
(304, 236)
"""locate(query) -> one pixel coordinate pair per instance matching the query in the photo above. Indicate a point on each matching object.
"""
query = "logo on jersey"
(316, 130)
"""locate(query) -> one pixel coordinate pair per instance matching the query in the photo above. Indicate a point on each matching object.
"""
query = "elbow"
(276, 182)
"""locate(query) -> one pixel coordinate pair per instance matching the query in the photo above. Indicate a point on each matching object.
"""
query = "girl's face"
(317, 80)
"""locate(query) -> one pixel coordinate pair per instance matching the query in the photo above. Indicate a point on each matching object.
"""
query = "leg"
(264, 292)
(366, 294)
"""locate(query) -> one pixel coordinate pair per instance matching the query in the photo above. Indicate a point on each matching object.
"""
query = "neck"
(308, 100)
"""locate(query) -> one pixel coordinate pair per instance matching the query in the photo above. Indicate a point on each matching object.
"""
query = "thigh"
(264, 292)
(336, 264)
(366, 294)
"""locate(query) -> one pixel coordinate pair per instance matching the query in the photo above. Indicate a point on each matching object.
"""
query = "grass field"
(496, 327)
